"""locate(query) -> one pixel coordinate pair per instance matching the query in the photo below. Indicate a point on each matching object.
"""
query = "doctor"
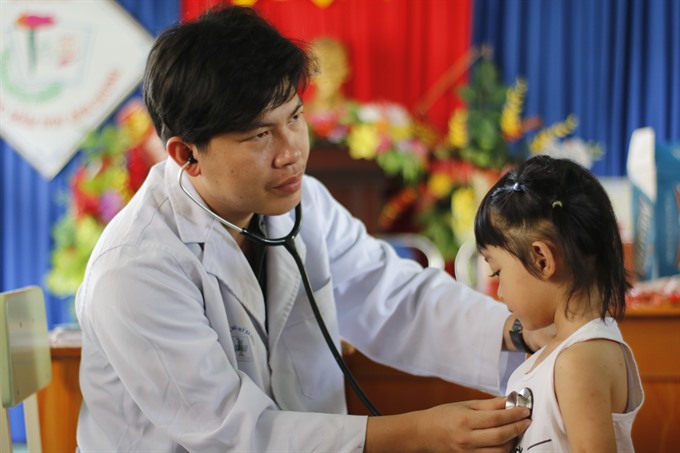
(197, 339)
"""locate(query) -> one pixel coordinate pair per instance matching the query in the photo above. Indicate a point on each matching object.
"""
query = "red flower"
(138, 168)
(84, 203)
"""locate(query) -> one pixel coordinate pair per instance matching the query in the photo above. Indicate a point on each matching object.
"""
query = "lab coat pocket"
(312, 363)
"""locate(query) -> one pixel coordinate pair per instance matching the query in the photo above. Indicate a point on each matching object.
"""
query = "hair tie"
(556, 203)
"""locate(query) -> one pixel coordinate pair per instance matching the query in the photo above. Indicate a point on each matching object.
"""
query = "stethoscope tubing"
(288, 242)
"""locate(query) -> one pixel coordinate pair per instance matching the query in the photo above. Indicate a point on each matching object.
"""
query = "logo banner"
(65, 65)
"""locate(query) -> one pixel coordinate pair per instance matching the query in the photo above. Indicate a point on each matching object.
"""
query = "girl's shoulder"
(596, 329)
(595, 366)
(590, 352)
(595, 345)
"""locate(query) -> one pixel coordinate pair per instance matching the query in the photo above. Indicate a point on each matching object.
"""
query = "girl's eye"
(495, 274)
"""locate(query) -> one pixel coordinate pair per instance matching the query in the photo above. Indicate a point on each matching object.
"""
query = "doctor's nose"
(289, 153)
(287, 157)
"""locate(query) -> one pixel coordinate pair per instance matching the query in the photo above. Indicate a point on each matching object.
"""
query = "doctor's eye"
(258, 136)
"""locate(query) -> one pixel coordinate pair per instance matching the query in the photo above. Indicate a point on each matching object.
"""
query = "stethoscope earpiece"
(523, 398)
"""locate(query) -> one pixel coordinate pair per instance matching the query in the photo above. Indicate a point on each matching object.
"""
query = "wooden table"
(59, 402)
(653, 334)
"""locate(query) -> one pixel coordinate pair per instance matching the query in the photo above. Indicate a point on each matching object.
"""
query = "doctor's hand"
(479, 425)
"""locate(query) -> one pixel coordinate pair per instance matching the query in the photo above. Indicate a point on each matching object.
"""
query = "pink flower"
(32, 22)
(109, 204)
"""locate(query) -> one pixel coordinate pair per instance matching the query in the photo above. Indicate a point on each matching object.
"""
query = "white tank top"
(547, 432)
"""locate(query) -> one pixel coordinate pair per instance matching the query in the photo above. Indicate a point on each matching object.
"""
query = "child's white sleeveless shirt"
(547, 432)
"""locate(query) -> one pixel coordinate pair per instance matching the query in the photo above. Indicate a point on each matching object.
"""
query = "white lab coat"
(175, 352)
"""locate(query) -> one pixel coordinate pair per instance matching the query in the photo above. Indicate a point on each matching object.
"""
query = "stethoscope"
(288, 242)
(523, 398)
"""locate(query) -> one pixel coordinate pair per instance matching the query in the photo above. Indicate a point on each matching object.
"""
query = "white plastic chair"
(25, 361)
(417, 246)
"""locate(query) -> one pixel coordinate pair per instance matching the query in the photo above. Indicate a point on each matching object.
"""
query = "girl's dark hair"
(558, 201)
(219, 73)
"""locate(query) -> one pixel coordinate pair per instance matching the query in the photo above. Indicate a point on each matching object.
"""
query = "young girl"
(548, 232)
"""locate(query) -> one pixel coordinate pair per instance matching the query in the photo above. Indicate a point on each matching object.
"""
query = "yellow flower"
(137, 125)
(463, 213)
(511, 121)
(399, 132)
(439, 185)
(363, 141)
(88, 232)
(425, 133)
(557, 130)
(120, 179)
(458, 133)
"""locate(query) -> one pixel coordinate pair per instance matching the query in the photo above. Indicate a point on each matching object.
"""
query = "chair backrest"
(25, 361)
(415, 246)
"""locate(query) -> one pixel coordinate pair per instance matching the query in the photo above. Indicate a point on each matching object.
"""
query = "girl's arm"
(590, 384)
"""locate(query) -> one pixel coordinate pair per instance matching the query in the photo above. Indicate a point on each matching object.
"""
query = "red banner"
(399, 50)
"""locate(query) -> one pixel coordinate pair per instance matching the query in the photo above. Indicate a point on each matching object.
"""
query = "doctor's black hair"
(219, 73)
(560, 202)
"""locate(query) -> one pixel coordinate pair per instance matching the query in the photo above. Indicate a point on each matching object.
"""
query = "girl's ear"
(544, 258)
(183, 152)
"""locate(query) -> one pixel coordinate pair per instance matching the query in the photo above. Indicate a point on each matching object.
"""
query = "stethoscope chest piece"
(523, 398)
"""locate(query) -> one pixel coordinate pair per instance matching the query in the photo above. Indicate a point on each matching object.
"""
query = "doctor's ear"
(182, 153)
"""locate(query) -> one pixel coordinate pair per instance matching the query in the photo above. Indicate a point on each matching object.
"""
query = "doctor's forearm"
(385, 432)
(458, 426)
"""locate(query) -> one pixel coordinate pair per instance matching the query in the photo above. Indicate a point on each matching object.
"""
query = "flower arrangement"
(444, 178)
(485, 139)
(115, 162)
(380, 131)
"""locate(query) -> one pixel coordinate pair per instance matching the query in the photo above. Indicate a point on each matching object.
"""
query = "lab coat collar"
(222, 256)
(193, 224)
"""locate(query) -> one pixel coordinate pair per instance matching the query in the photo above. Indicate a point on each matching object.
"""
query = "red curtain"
(400, 50)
